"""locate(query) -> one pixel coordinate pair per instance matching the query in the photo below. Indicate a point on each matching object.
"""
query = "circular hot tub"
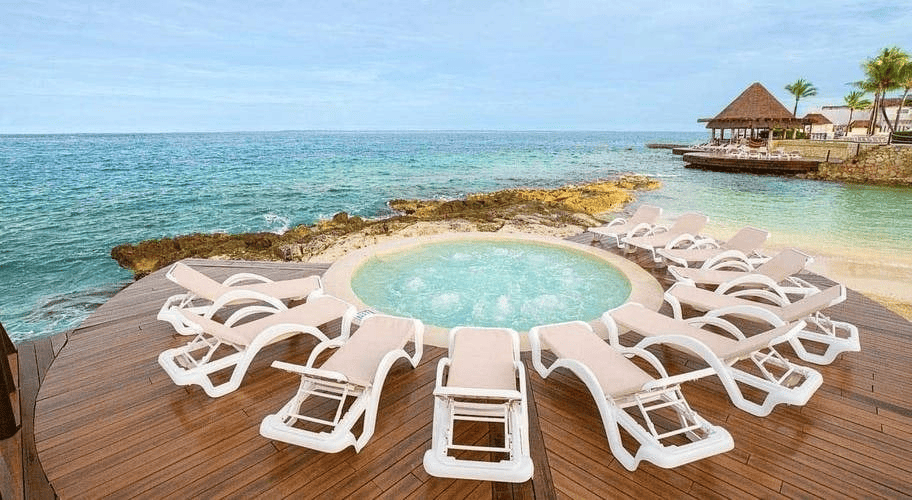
(489, 279)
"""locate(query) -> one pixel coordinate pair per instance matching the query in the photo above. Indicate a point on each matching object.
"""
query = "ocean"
(66, 200)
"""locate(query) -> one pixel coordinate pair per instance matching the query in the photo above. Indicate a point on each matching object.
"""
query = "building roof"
(755, 108)
(859, 124)
(816, 119)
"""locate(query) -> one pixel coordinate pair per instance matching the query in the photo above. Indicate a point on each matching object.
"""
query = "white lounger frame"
(779, 389)
(706, 439)
(837, 336)
(333, 385)
(191, 302)
(508, 407)
(186, 369)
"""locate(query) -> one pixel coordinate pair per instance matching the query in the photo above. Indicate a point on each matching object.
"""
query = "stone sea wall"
(875, 165)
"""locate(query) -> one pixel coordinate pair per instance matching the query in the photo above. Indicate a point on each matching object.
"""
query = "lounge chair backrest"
(785, 264)
(360, 356)
(645, 214)
(195, 281)
(689, 223)
(616, 374)
(482, 358)
(813, 303)
(747, 240)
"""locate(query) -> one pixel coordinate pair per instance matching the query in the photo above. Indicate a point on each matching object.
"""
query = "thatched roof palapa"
(859, 124)
(755, 108)
(816, 119)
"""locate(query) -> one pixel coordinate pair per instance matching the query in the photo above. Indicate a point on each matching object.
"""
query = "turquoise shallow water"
(497, 284)
(65, 200)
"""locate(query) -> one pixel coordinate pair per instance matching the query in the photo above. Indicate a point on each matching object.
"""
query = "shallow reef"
(564, 210)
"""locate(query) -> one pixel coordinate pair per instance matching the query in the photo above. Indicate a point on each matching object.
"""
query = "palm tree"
(855, 100)
(801, 88)
(905, 82)
(883, 74)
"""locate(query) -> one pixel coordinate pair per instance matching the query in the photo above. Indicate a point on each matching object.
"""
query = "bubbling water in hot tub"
(515, 284)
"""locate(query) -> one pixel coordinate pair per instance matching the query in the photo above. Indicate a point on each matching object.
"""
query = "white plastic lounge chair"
(734, 273)
(639, 223)
(244, 340)
(628, 397)
(776, 377)
(481, 380)
(743, 246)
(354, 374)
(835, 336)
(685, 228)
(203, 290)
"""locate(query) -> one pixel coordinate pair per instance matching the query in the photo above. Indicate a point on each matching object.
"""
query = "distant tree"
(801, 88)
(855, 100)
(883, 73)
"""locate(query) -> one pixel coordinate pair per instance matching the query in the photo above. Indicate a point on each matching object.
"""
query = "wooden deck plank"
(147, 437)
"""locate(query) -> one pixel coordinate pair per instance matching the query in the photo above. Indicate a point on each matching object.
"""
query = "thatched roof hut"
(816, 119)
(755, 108)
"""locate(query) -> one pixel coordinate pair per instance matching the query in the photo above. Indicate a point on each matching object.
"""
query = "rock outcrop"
(558, 212)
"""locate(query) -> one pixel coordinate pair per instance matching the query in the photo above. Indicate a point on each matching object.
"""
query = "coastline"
(560, 213)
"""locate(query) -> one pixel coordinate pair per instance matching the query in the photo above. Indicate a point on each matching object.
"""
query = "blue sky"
(167, 65)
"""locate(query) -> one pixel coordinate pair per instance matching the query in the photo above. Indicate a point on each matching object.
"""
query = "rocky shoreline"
(556, 212)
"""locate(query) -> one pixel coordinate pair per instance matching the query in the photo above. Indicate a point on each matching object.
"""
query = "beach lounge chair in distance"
(629, 397)
(685, 228)
(780, 270)
(202, 291)
(743, 246)
(353, 376)
(481, 380)
(642, 220)
(196, 362)
(773, 375)
(834, 336)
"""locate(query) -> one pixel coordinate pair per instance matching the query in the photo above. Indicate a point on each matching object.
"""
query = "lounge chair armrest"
(243, 295)
(648, 356)
(310, 371)
(700, 243)
(753, 280)
(681, 239)
(657, 229)
(240, 277)
(754, 312)
(717, 321)
(640, 229)
(617, 222)
(741, 261)
(776, 297)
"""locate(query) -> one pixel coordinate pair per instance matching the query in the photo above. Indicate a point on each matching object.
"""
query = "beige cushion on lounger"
(360, 356)
(652, 324)
(616, 374)
(482, 359)
(707, 276)
(318, 311)
(206, 287)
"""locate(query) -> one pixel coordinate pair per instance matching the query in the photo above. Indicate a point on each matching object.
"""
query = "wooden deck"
(728, 163)
(109, 422)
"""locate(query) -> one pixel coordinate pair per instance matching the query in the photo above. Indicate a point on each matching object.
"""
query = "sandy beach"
(883, 276)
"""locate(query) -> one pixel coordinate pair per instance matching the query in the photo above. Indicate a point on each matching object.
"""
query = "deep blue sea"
(66, 200)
